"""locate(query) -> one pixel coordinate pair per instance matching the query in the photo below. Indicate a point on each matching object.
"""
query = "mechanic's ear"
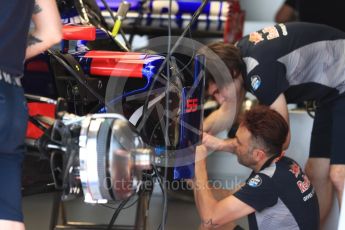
(259, 154)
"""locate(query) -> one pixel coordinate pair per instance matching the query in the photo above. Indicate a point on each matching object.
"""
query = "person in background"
(16, 45)
(277, 194)
(315, 11)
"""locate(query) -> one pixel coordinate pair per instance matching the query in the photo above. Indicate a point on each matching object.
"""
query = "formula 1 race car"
(101, 114)
(165, 107)
(219, 18)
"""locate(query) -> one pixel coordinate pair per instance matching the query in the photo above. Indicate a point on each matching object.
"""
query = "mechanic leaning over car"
(291, 63)
(17, 45)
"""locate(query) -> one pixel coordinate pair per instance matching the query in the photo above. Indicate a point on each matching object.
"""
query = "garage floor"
(182, 215)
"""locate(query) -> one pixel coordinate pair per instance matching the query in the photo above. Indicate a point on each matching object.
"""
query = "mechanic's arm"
(47, 30)
(280, 106)
(219, 120)
(214, 213)
(213, 143)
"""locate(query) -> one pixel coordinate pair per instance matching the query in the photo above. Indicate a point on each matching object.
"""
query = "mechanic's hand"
(212, 143)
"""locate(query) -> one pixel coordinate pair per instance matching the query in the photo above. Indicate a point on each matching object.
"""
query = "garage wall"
(260, 10)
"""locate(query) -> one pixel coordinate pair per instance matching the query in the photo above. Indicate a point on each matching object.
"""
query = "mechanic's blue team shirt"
(282, 196)
(14, 29)
(302, 60)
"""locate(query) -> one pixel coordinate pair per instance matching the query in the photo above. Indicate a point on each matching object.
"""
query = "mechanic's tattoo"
(209, 223)
(32, 40)
(37, 8)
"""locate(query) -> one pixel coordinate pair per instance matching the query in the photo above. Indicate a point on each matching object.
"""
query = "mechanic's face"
(214, 92)
(244, 147)
(226, 93)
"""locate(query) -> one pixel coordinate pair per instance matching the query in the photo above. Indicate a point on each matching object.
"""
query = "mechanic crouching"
(277, 194)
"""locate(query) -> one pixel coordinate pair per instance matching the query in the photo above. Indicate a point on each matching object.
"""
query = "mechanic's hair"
(267, 127)
(231, 57)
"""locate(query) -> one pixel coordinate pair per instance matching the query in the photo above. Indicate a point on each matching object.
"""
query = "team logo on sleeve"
(295, 169)
(255, 181)
(304, 185)
(255, 82)
(255, 37)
